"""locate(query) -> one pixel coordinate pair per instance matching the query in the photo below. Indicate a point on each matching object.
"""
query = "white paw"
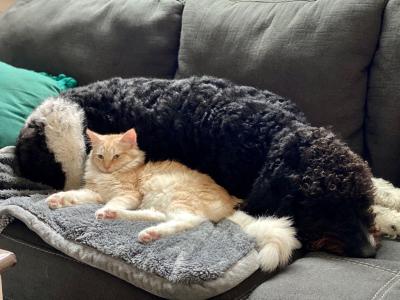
(386, 194)
(106, 214)
(147, 235)
(387, 221)
(390, 228)
(61, 199)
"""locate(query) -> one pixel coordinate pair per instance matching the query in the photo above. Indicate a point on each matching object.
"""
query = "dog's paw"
(386, 194)
(391, 231)
(148, 235)
(387, 221)
(106, 214)
(61, 199)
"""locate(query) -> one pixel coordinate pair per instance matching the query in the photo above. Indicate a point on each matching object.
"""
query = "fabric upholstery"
(322, 276)
(93, 39)
(315, 52)
(383, 113)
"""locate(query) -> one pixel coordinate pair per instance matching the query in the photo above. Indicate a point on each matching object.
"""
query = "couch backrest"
(315, 52)
(93, 39)
(383, 113)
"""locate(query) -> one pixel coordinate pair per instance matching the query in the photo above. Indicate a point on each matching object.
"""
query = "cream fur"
(386, 194)
(73, 197)
(117, 175)
(387, 208)
(387, 221)
(135, 215)
(275, 238)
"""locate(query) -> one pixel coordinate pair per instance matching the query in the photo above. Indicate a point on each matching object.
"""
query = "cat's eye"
(99, 156)
(116, 156)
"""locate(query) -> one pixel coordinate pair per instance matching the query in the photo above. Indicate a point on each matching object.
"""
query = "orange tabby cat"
(170, 193)
(167, 191)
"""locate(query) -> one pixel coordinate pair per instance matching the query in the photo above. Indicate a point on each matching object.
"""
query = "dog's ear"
(94, 137)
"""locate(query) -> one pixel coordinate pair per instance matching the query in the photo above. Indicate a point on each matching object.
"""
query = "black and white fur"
(254, 143)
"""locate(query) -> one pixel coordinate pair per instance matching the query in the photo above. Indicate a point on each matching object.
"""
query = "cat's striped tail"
(275, 238)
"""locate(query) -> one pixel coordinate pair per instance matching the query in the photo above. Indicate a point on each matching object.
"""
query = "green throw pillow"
(21, 91)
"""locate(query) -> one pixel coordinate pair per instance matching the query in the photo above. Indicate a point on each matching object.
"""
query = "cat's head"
(113, 152)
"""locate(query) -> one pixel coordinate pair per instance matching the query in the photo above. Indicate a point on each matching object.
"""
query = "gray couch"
(338, 59)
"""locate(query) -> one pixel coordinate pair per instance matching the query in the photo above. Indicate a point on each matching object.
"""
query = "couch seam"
(394, 272)
(366, 119)
(391, 286)
(384, 286)
(40, 249)
(271, 2)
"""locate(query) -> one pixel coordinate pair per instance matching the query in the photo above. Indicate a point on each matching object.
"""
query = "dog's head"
(335, 214)
(344, 230)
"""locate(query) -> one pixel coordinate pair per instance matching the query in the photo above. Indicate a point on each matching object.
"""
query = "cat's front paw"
(61, 199)
(148, 235)
(106, 214)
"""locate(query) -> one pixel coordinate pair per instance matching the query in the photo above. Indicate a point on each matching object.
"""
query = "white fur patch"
(387, 221)
(386, 194)
(275, 238)
(387, 208)
(63, 121)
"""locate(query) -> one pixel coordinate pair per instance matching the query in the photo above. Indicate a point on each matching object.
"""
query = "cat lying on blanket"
(167, 192)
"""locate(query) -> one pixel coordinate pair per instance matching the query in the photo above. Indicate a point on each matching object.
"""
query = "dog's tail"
(275, 238)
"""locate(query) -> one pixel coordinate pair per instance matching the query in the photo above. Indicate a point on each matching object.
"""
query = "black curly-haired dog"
(254, 143)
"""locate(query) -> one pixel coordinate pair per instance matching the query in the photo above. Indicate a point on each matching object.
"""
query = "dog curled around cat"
(254, 143)
(167, 192)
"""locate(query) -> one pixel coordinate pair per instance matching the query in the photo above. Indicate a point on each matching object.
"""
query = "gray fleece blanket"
(220, 255)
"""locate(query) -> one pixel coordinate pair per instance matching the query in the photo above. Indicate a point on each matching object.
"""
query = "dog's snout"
(368, 251)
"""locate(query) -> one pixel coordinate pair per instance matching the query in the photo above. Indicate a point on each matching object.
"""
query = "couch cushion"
(315, 52)
(383, 121)
(93, 39)
(21, 91)
(323, 276)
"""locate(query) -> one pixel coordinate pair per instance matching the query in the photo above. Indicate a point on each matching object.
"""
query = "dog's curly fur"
(254, 143)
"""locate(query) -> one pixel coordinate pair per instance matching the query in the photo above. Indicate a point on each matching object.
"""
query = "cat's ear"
(93, 136)
(129, 137)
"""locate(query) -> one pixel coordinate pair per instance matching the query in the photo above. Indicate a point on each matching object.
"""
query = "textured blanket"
(206, 261)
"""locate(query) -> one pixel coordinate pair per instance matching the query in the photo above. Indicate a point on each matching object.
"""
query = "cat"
(168, 192)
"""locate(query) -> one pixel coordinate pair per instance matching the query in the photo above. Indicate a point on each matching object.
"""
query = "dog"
(256, 144)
